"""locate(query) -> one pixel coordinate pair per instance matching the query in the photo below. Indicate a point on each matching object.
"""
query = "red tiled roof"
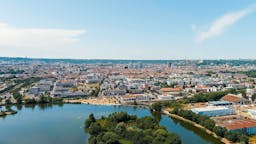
(202, 87)
(239, 124)
(232, 98)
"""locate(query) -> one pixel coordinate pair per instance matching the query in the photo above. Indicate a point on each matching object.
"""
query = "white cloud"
(222, 23)
(37, 37)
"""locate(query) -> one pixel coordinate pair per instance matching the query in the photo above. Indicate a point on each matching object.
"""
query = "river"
(63, 124)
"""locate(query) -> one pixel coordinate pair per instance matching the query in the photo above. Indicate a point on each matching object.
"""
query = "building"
(130, 98)
(171, 91)
(201, 88)
(169, 65)
(93, 78)
(45, 85)
(114, 92)
(65, 83)
(235, 99)
(219, 103)
(166, 97)
(247, 126)
(69, 94)
(213, 111)
(34, 90)
(252, 113)
(250, 92)
(236, 86)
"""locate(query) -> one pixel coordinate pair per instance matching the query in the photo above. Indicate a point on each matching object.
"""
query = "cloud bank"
(222, 23)
(37, 37)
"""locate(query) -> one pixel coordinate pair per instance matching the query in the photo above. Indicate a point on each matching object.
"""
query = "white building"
(33, 90)
(213, 111)
(166, 97)
(135, 98)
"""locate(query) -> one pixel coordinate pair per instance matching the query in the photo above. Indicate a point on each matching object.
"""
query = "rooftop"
(210, 108)
(233, 98)
(171, 89)
(219, 102)
(239, 124)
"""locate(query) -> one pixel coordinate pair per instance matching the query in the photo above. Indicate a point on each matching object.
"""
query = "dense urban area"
(215, 95)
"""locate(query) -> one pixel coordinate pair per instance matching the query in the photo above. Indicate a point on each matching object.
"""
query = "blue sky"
(128, 29)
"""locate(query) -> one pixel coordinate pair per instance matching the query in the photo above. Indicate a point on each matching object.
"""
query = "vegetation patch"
(121, 128)
(211, 125)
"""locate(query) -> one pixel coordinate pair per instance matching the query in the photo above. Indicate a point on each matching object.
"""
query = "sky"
(128, 29)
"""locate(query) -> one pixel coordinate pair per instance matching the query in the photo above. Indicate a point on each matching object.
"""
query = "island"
(122, 128)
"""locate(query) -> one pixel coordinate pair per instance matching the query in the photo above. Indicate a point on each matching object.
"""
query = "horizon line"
(45, 58)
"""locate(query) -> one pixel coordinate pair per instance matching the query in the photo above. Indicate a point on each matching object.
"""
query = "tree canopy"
(210, 125)
(120, 128)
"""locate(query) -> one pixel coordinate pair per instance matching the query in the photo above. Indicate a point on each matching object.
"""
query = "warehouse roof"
(240, 124)
(210, 108)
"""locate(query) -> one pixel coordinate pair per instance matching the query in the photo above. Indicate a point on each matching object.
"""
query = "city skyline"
(140, 30)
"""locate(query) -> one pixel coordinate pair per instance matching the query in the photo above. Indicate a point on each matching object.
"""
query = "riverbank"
(223, 140)
(95, 101)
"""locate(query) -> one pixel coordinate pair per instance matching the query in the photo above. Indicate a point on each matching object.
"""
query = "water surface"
(64, 124)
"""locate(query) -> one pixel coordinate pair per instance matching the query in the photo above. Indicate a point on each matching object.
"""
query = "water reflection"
(19, 107)
(32, 106)
(44, 106)
(196, 130)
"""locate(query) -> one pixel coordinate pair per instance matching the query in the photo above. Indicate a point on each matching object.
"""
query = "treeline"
(170, 104)
(43, 100)
(95, 92)
(211, 125)
(121, 128)
(39, 100)
(201, 97)
(250, 73)
(205, 97)
(24, 83)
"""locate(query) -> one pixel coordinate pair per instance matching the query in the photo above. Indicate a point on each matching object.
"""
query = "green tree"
(30, 101)
(43, 99)
(231, 136)
(146, 123)
(89, 121)
(156, 107)
(110, 138)
(17, 95)
(220, 131)
(253, 97)
(19, 100)
(94, 129)
(244, 139)
(8, 101)
(123, 128)
(120, 129)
